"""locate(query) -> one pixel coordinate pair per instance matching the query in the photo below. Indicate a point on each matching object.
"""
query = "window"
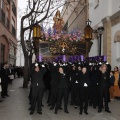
(13, 27)
(14, 8)
(7, 17)
(96, 4)
(2, 4)
(7, 13)
(2, 53)
(13, 22)
(12, 52)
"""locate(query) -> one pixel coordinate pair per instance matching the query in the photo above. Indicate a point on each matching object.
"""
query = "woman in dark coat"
(84, 90)
(38, 87)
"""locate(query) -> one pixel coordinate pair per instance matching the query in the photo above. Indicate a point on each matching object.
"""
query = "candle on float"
(64, 58)
(105, 58)
(40, 58)
(82, 58)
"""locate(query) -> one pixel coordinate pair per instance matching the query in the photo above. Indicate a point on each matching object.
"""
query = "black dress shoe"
(3, 96)
(29, 108)
(1, 101)
(49, 104)
(90, 104)
(39, 112)
(55, 112)
(94, 107)
(7, 96)
(80, 113)
(99, 110)
(31, 112)
(86, 113)
(51, 108)
(75, 107)
(66, 111)
(42, 105)
(71, 103)
(60, 108)
(108, 111)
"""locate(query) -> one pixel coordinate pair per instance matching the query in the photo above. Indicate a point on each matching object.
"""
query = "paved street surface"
(16, 107)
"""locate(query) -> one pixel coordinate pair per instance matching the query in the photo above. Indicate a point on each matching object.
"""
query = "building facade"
(75, 15)
(19, 55)
(106, 13)
(8, 28)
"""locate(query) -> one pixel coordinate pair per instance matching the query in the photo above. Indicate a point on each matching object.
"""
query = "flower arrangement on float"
(52, 36)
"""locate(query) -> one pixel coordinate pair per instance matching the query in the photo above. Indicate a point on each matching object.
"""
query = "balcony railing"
(13, 31)
(8, 23)
(3, 16)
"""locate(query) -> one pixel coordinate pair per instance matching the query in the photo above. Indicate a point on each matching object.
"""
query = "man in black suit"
(62, 90)
(93, 73)
(84, 90)
(54, 85)
(76, 87)
(38, 87)
(103, 88)
(4, 81)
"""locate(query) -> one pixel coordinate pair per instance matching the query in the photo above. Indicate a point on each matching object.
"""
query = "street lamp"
(88, 30)
(36, 31)
(100, 32)
(36, 36)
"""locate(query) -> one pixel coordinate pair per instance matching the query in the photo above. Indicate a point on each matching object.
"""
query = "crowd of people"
(82, 83)
(7, 74)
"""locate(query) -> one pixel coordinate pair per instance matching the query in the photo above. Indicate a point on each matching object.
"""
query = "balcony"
(13, 31)
(14, 8)
(8, 23)
(3, 16)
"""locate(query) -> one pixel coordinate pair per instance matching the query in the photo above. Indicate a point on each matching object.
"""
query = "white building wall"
(115, 47)
(94, 49)
(104, 9)
(115, 6)
(98, 13)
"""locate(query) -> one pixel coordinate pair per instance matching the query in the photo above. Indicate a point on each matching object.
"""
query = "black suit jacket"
(104, 81)
(4, 76)
(54, 76)
(37, 78)
(84, 79)
(62, 81)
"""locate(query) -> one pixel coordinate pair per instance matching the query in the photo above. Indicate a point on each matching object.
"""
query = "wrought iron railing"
(3, 16)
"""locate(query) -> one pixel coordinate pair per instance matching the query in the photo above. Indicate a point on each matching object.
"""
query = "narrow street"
(16, 107)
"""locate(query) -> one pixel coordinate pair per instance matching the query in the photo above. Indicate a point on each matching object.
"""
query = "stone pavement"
(16, 107)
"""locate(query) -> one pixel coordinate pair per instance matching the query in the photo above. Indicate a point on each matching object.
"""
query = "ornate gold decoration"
(63, 47)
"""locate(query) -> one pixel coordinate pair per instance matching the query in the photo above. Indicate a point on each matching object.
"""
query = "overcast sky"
(21, 7)
(22, 4)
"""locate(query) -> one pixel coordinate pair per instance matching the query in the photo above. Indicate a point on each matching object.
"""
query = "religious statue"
(58, 22)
